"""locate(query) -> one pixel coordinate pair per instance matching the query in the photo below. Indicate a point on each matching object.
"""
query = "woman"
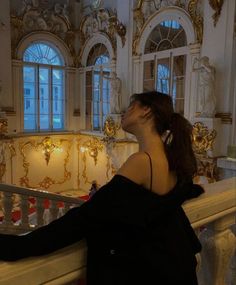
(136, 230)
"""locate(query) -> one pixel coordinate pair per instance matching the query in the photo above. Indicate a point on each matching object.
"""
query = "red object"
(16, 215)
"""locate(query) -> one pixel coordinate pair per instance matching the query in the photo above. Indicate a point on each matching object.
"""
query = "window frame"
(50, 68)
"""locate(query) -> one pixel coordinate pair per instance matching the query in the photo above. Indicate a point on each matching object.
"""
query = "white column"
(17, 80)
(70, 91)
(82, 98)
(137, 76)
(124, 53)
(191, 97)
(6, 100)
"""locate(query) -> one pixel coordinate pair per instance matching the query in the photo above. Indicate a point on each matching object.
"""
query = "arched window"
(97, 87)
(165, 61)
(44, 88)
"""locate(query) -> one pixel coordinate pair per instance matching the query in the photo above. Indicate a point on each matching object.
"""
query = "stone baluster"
(24, 210)
(66, 207)
(7, 208)
(53, 210)
(219, 249)
(39, 211)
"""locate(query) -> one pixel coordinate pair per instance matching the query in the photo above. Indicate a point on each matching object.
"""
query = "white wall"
(6, 99)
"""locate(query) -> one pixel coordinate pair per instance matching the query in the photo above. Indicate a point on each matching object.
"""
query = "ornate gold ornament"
(92, 147)
(3, 127)
(110, 129)
(226, 118)
(203, 140)
(46, 146)
(216, 5)
(197, 19)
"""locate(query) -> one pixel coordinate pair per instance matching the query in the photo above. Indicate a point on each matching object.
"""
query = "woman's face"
(131, 117)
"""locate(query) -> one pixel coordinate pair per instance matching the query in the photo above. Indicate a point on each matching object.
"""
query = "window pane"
(29, 106)
(58, 107)
(163, 76)
(29, 74)
(58, 121)
(148, 76)
(96, 108)
(96, 125)
(42, 53)
(44, 122)
(57, 76)
(29, 90)
(29, 122)
(57, 92)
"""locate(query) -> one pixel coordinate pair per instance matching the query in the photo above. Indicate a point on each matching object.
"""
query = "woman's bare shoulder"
(135, 167)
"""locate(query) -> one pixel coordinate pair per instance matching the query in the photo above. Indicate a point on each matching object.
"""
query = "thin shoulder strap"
(150, 160)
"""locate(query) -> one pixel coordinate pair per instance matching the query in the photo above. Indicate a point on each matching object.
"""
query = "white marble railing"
(212, 215)
(39, 216)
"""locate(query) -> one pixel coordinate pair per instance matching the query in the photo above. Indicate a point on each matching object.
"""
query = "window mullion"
(171, 74)
(50, 99)
(37, 98)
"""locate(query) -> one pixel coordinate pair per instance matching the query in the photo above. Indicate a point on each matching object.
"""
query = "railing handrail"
(39, 193)
(219, 197)
(218, 201)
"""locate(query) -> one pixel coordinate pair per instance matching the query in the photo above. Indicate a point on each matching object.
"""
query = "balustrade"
(42, 216)
(212, 215)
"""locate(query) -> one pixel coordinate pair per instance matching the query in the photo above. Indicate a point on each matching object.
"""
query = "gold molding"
(47, 181)
(197, 19)
(203, 139)
(110, 129)
(216, 5)
(226, 118)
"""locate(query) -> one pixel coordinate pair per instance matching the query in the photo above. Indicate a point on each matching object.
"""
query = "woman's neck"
(149, 141)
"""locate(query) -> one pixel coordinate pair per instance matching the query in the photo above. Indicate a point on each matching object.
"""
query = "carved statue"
(115, 92)
(206, 86)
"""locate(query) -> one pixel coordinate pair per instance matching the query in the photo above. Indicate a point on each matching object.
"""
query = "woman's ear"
(146, 112)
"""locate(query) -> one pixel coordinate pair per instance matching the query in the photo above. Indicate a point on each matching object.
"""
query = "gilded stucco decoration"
(145, 9)
(216, 5)
(35, 16)
(203, 141)
(90, 146)
(101, 21)
(110, 129)
(6, 145)
(3, 126)
(40, 147)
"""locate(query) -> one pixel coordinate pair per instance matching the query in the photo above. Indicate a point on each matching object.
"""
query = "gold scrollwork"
(216, 5)
(110, 129)
(203, 139)
(48, 147)
(92, 146)
(47, 144)
(197, 19)
(3, 127)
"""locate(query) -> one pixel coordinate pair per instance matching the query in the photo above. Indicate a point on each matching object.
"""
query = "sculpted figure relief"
(207, 97)
(115, 92)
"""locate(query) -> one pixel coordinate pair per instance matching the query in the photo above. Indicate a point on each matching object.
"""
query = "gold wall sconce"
(216, 5)
(92, 147)
(48, 148)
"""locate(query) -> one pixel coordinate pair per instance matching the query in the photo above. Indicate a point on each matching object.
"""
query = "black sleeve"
(62, 232)
(68, 229)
